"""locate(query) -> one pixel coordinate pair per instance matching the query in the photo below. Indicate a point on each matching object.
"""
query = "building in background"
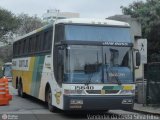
(52, 14)
(136, 28)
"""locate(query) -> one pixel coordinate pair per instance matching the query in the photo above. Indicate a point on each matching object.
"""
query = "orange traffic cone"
(7, 89)
(4, 92)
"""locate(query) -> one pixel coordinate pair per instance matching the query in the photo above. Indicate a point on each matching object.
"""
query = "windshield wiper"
(91, 69)
(89, 79)
(118, 81)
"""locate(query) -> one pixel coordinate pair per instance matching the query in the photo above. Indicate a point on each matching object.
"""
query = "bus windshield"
(76, 59)
(113, 64)
(8, 70)
(97, 33)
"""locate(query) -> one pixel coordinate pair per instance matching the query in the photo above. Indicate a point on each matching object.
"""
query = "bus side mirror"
(138, 58)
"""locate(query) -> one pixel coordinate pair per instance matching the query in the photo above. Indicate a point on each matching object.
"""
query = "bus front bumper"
(88, 102)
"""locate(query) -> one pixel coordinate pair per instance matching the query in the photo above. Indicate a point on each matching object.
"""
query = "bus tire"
(20, 90)
(49, 101)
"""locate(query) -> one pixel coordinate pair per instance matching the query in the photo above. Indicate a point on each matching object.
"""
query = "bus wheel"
(20, 90)
(49, 101)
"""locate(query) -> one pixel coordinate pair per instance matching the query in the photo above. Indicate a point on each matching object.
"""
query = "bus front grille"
(102, 91)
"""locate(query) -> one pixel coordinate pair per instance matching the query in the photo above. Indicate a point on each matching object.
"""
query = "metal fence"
(141, 92)
(153, 83)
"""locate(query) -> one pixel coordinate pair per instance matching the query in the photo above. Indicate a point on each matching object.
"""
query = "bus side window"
(16, 49)
(37, 45)
(125, 60)
(60, 66)
(41, 42)
(33, 44)
(48, 40)
(30, 45)
(26, 46)
(59, 33)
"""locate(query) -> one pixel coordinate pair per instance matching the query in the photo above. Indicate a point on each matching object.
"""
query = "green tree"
(12, 26)
(28, 24)
(148, 14)
(8, 24)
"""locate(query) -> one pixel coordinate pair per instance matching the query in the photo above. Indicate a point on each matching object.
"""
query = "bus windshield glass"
(98, 64)
(8, 70)
(97, 33)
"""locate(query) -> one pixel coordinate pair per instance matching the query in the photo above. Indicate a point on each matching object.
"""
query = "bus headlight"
(127, 92)
(127, 101)
(74, 92)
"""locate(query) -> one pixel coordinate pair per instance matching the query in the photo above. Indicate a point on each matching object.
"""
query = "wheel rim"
(20, 90)
(49, 100)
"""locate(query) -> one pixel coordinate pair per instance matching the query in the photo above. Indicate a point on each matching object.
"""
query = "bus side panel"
(32, 78)
(46, 77)
(31, 74)
(37, 75)
(27, 77)
(24, 71)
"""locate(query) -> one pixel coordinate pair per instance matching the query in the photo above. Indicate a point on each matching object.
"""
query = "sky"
(86, 8)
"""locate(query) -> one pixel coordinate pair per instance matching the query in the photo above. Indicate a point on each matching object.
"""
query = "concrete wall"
(135, 25)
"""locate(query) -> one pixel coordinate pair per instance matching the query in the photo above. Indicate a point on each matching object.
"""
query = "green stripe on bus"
(112, 88)
(33, 76)
(37, 74)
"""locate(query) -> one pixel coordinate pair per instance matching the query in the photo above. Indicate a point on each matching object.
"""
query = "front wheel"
(49, 101)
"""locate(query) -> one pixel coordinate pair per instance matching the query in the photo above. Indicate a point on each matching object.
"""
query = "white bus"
(77, 64)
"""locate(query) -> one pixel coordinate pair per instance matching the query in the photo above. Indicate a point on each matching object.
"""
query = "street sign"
(142, 47)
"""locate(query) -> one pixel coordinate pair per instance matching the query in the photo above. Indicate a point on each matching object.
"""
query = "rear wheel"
(20, 90)
(49, 101)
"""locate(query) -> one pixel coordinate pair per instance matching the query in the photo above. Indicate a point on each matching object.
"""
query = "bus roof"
(88, 21)
(33, 32)
(93, 21)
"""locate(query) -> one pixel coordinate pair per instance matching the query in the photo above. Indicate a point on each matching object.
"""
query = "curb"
(146, 112)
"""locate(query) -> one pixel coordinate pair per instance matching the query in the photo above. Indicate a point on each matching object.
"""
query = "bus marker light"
(127, 87)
